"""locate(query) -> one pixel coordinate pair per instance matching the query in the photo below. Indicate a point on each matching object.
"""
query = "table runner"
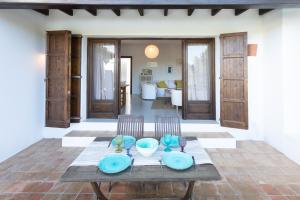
(98, 149)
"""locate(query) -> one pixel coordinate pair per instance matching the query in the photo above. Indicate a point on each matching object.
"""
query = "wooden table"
(205, 172)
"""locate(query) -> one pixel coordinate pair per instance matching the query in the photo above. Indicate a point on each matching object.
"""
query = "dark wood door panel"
(55, 89)
(234, 80)
(76, 78)
(76, 66)
(106, 107)
(235, 111)
(233, 89)
(57, 43)
(234, 46)
(58, 79)
(233, 68)
(57, 66)
(199, 107)
(57, 114)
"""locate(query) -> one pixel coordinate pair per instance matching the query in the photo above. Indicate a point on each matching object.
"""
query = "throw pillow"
(178, 84)
(171, 84)
(161, 84)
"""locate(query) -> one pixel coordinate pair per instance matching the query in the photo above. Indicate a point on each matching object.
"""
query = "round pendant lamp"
(151, 51)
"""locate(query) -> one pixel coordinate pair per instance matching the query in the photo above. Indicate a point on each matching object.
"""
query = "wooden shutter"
(58, 80)
(76, 78)
(234, 81)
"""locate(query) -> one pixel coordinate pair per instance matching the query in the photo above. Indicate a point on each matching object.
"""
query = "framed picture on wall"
(147, 72)
(170, 69)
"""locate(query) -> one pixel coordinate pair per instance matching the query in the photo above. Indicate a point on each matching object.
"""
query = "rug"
(162, 103)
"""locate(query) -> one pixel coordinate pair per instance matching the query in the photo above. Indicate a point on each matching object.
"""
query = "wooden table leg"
(96, 188)
(189, 191)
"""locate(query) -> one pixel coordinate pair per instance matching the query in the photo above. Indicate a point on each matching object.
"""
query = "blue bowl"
(147, 146)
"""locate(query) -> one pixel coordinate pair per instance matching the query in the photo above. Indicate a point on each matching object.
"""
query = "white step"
(207, 139)
(194, 127)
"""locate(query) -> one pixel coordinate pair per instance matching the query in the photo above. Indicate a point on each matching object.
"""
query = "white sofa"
(151, 91)
(162, 92)
(148, 91)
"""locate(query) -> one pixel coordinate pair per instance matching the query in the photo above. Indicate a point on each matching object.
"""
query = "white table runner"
(97, 150)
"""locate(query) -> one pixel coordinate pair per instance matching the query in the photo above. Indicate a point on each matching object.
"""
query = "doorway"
(126, 73)
(195, 62)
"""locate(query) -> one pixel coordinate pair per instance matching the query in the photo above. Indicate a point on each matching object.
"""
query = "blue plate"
(178, 160)
(114, 163)
(125, 137)
(174, 141)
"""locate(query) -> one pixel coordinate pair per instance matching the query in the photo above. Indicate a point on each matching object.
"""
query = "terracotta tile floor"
(253, 171)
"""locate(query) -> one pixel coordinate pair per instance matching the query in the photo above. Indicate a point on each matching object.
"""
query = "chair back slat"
(167, 124)
(130, 125)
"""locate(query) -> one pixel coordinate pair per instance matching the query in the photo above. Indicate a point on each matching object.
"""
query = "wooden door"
(76, 78)
(198, 79)
(103, 78)
(58, 79)
(234, 80)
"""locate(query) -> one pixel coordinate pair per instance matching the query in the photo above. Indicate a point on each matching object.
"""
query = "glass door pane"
(104, 61)
(199, 72)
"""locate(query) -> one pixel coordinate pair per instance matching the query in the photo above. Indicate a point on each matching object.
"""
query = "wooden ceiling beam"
(238, 12)
(264, 11)
(230, 4)
(190, 11)
(92, 11)
(148, 4)
(166, 12)
(117, 11)
(42, 11)
(141, 12)
(214, 12)
(67, 11)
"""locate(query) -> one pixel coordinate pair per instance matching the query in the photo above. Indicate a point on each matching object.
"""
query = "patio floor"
(253, 171)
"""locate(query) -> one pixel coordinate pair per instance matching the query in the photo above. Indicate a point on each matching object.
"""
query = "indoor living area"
(155, 77)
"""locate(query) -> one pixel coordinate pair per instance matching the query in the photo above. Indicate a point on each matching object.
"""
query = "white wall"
(169, 55)
(281, 85)
(177, 24)
(22, 45)
(291, 51)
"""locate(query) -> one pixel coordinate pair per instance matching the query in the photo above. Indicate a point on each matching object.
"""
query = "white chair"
(160, 92)
(176, 98)
(148, 91)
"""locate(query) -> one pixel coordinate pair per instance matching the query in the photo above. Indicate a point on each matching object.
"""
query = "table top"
(203, 172)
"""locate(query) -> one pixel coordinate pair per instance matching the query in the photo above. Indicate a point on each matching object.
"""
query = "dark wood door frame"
(76, 48)
(209, 105)
(115, 102)
(182, 39)
(130, 71)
